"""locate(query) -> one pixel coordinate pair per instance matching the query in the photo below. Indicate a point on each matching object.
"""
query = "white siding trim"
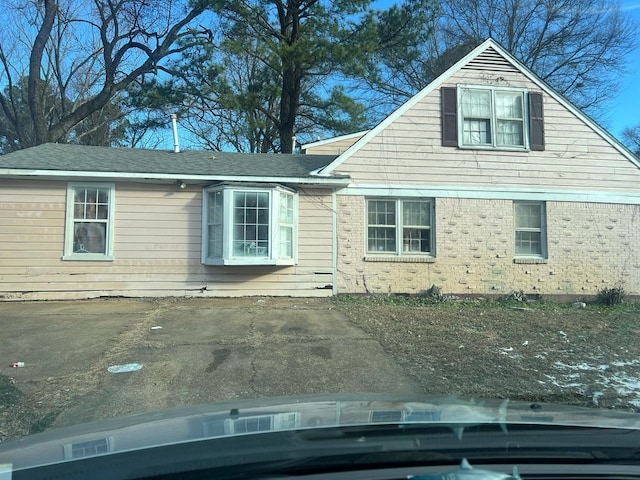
(442, 191)
(489, 43)
(87, 176)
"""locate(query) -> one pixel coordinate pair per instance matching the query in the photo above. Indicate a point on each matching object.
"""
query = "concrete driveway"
(207, 350)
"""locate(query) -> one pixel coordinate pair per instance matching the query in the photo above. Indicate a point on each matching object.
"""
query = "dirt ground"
(212, 350)
(539, 351)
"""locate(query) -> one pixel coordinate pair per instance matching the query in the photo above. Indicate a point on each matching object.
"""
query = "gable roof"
(55, 160)
(487, 45)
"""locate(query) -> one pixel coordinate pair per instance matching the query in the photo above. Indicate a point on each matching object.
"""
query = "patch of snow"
(581, 366)
(601, 377)
(596, 397)
(618, 363)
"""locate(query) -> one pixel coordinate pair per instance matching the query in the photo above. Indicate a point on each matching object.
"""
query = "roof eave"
(333, 181)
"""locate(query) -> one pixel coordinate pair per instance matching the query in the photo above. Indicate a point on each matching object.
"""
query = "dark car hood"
(254, 417)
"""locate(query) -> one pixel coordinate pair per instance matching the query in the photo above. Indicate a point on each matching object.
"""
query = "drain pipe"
(174, 124)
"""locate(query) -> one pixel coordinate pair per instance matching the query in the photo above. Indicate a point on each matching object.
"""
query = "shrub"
(515, 296)
(610, 296)
(434, 294)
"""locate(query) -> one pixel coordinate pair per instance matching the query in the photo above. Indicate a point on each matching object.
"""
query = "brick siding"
(590, 246)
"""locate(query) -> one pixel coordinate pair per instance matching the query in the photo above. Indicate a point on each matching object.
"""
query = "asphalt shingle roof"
(82, 158)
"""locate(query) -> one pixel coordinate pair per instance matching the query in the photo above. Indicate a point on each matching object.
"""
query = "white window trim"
(494, 145)
(399, 229)
(69, 223)
(273, 256)
(543, 230)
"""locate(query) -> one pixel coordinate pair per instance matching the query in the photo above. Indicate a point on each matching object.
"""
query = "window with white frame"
(530, 229)
(492, 117)
(400, 227)
(249, 226)
(89, 222)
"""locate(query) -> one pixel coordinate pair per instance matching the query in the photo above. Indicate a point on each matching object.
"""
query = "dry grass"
(522, 351)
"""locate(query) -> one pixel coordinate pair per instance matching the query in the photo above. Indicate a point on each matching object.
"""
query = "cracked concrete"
(207, 350)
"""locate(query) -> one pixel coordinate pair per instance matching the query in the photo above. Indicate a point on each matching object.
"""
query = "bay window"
(249, 226)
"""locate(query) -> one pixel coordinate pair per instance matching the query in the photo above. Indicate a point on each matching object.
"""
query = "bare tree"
(577, 46)
(631, 137)
(80, 57)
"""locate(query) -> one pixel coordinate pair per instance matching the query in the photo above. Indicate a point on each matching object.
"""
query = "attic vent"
(490, 60)
(88, 449)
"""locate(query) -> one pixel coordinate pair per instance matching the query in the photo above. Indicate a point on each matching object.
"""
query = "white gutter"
(334, 243)
(14, 172)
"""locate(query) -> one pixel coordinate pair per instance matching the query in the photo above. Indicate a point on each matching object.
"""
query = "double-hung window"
(492, 117)
(399, 227)
(89, 222)
(530, 229)
(249, 226)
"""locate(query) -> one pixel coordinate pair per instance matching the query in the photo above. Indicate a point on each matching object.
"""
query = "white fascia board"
(327, 141)
(614, 142)
(491, 193)
(66, 174)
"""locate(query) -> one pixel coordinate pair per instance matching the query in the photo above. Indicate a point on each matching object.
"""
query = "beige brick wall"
(590, 245)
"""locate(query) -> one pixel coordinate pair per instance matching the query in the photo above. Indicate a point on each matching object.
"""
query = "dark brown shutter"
(536, 122)
(449, 117)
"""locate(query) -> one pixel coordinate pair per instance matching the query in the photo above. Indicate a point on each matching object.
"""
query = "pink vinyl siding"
(156, 247)
(409, 151)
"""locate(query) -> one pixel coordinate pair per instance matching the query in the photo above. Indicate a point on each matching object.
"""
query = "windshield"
(394, 213)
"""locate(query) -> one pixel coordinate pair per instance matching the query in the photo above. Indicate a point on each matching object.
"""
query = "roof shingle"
(90, 159)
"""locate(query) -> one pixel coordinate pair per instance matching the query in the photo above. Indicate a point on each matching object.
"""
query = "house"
(484, 182)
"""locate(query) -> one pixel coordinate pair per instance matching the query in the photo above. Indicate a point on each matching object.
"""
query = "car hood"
(260, 416)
